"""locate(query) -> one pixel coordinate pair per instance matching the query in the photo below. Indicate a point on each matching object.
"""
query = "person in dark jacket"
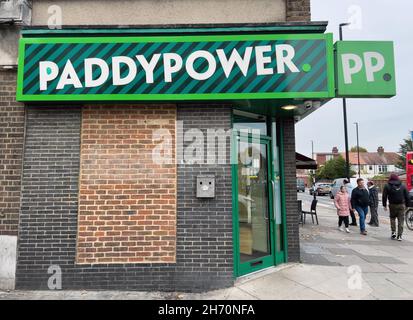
(360, 201)
(396, 193)
(374, 204)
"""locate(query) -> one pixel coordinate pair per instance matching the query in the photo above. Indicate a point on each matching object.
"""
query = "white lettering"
(69, 77)
(169, 69)
(262, 61)
(104, 68)
(212, 65)
(235, 58)
(349, 70)
(148, 66)
(285, 60)
(370, 68)
(116, 62)
(48, 71)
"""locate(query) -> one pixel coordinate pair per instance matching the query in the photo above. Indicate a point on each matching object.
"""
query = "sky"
(382, 122)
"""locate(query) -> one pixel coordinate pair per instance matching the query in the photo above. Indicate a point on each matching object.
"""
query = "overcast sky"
(381, 121)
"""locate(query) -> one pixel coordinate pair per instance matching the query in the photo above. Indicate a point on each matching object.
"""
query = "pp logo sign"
(365, 69)
(353, 64)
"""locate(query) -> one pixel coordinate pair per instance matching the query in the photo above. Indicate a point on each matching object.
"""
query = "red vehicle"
(409, 184)
(409, 171)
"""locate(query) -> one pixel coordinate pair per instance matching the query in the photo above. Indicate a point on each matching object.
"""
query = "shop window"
(248, 124)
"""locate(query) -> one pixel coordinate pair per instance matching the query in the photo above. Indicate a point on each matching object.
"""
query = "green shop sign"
(365, 69)
(176, 68)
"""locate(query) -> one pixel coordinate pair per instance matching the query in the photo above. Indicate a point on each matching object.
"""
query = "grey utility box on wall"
(205, 186)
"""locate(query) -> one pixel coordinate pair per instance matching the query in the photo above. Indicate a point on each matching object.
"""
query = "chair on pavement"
(312, 212)
(300, 211)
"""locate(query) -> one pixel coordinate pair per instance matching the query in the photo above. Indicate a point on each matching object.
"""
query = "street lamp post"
(341, 25)
(313, 171)
(358, 147)
(312, 149)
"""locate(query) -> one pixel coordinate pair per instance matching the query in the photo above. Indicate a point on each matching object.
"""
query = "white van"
(335, 187)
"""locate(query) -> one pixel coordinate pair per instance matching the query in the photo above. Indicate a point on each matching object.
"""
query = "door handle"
(273, 198)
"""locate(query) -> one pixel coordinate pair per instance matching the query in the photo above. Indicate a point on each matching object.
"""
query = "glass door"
(254, 204)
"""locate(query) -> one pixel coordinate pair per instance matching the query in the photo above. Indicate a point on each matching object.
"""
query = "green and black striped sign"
(176, 68)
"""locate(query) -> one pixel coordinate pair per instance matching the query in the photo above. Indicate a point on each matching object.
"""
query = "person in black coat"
(374, 204)
(360, 201)
(396, 193)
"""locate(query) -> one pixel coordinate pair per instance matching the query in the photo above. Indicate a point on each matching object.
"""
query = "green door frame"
(276, 257)
(282, 256)
(269, 260)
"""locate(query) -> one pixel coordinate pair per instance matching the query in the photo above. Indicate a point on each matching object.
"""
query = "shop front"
(163, 159)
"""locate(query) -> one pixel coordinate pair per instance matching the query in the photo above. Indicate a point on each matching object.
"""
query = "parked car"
(321, 189)
(300, 185)
(337, 183)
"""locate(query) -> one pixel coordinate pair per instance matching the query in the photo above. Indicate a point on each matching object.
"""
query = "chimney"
(335, 150)
(380, 150)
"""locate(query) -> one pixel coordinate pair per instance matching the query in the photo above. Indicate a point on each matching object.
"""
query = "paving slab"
(384, 288)
(272, 287)
(308, 294)
(403, 280)
(400, 268)
(338, 288)
(394, 250)
(342, 251)
(313, 249)
(368, 250)
(311, 275)
(374, 268)
(348, 260)
(234, 293)
(317, 259)
(381, 259)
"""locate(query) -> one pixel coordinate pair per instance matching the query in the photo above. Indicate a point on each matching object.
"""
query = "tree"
(333, 169)
(406, 146)
(354, 149)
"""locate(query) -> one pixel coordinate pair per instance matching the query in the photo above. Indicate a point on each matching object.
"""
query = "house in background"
(371, 163)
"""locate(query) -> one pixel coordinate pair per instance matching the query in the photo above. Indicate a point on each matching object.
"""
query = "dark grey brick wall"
(291, 189)
(48, 220)
(206, 224)
(48, 215)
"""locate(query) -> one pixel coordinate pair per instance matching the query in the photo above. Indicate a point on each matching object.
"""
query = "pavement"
(335, 265)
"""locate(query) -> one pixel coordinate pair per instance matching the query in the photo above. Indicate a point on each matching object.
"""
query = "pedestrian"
(343, 205)
(360, 202)
(374, 204)
(398, 197)
(349, 188)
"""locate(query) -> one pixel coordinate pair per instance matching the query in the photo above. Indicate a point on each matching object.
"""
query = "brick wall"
(127, 198)
(205, 224)
(48, 216)
(11, 150)
(298, 10)
(48, 221)
(291, 189)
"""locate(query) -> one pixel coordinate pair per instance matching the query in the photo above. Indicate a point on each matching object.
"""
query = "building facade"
(82, 197)
(371, 163)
